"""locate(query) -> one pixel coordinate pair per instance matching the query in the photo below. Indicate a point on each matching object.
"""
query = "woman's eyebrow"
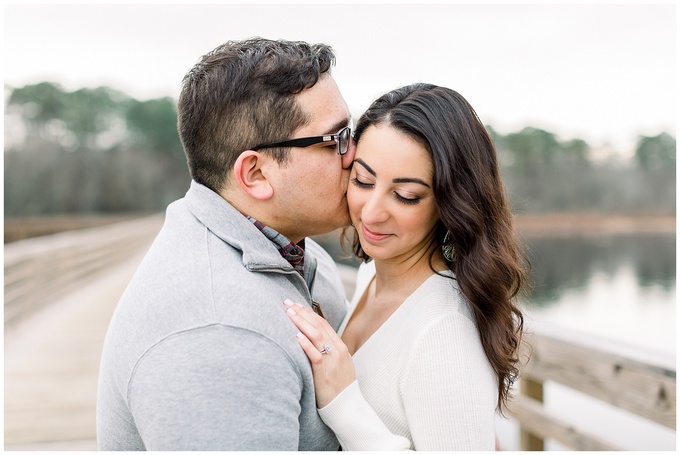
(368, 168)
(397, 180)
(410, 180)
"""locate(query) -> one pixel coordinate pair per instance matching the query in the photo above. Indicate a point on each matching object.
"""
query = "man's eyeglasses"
(342, 139)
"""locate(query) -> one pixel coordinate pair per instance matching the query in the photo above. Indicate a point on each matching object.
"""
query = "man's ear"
(248, 172)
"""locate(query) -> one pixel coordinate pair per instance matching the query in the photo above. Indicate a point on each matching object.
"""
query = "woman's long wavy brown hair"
(488, 262)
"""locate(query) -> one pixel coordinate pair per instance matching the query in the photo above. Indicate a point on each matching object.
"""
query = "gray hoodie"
(200, 354)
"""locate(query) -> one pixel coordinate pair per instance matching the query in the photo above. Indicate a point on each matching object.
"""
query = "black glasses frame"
(342, 139)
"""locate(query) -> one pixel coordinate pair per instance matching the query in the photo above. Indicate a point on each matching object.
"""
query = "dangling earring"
(447, 248)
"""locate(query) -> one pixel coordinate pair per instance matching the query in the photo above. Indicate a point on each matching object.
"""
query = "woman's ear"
(249, 174)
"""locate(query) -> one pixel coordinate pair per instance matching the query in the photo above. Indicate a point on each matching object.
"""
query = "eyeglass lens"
(343, 141)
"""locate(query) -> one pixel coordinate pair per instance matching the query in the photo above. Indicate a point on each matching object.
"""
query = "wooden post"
(532, 389)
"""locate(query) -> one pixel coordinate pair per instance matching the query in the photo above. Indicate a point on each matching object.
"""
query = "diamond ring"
(326, 349)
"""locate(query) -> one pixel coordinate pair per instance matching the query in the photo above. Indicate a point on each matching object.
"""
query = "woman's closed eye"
(407, 200)
(361, 184)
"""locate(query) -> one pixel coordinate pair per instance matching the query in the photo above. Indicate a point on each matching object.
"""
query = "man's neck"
(259, 210)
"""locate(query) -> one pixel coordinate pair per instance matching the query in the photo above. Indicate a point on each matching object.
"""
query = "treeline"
(90, 151)
(101, 151)
(544, 175)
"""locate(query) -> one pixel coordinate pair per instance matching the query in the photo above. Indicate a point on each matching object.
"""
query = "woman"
(433, 331)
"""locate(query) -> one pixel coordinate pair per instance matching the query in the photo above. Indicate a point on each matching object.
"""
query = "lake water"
(622, 287)
(619, 286)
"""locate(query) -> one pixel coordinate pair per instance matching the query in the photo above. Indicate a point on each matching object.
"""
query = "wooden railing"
(41, 269)
(640, 383)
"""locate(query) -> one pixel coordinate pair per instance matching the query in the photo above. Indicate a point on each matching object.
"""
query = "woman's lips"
(374, 236)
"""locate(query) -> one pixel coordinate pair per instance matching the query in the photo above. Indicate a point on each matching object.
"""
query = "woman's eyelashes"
(361, 184)
(412, 200)
(407, 200)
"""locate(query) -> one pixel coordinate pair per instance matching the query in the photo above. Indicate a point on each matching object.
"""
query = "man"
(200, 354)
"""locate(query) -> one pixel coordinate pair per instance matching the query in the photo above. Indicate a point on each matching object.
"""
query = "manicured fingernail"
(291, 312)
(288, 302)
(300, 335)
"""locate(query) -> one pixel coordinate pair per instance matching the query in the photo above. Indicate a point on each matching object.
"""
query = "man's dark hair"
(242, 94)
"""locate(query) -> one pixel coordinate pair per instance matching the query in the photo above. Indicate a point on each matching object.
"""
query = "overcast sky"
(604, 73)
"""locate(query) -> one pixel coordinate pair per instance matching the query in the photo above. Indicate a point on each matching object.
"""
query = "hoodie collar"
(228, 224)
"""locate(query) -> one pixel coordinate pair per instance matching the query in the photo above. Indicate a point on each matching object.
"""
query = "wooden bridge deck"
(52, 352)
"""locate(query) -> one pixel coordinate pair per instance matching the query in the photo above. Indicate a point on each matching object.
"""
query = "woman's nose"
(374, 210)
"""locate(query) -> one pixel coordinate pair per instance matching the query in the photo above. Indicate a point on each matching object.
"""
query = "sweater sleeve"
(216, 388)
(448, 395)
(356, 424)
(449, 390)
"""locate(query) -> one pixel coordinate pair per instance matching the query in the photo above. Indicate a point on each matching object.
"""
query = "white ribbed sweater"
(423, 380)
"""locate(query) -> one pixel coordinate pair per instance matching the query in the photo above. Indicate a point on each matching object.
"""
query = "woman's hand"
(331, 362)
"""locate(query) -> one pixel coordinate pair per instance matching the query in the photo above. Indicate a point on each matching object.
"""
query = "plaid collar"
(291, 252)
